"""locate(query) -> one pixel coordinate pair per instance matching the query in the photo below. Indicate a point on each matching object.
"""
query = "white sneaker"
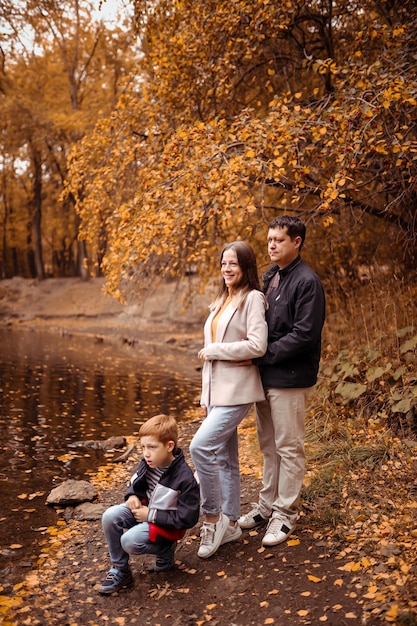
(233, 533)
(212, 536)
(252, 519)
(277, 532)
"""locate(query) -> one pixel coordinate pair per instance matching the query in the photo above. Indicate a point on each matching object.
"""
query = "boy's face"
(156, 453)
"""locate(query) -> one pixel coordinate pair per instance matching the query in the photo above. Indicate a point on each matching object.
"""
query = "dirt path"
(299, 582)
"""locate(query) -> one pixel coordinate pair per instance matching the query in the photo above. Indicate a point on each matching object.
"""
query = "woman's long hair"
(249, 281)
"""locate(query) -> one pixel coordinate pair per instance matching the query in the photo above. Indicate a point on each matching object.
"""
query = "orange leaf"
(393, 611)
(314, 579)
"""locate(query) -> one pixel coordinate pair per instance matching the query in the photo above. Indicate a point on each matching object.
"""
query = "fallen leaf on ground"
(313, 579)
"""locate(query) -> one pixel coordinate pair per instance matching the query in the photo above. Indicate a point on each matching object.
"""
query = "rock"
(112, 443)
(89, 511)
(72, 492)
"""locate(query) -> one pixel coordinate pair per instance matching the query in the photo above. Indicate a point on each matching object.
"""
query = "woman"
(234, 333)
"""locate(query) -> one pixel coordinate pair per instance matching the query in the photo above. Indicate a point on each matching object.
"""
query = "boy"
(162, 501)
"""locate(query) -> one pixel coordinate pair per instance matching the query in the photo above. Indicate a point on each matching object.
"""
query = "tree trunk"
(37, 216)
(82, 260)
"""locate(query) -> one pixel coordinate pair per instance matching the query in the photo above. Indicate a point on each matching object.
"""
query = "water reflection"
(55, 391)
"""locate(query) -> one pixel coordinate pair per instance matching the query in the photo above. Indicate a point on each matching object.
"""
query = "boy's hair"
(293, 225)
(163, 427)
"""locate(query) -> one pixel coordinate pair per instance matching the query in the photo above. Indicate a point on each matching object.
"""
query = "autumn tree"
(61, 70)
(247, 109)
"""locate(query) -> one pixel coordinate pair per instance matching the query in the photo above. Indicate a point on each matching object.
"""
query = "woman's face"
(230, 268)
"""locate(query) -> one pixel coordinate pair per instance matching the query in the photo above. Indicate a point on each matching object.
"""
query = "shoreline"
(157, 329)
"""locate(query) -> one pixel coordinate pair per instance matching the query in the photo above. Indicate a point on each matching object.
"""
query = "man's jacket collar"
(286, 270)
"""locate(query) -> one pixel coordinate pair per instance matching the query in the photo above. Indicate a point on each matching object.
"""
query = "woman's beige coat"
(241, 334)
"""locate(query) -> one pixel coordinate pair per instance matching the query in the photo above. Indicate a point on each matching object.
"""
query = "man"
(289, 370)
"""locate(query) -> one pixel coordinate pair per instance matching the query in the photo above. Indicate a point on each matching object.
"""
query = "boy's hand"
(133, 503)
(140, 514)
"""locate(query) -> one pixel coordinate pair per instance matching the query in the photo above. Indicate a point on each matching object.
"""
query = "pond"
(56, 390)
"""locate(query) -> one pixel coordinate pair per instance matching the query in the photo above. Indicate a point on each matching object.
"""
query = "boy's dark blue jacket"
(175, 502)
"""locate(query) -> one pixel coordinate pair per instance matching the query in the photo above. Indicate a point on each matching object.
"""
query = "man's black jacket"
(295, 320)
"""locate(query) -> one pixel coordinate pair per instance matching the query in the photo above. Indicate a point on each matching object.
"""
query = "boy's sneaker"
(252, 519)
(116, 579)
(165, 560)
(212, 536)
(233, 533)
(277, 532)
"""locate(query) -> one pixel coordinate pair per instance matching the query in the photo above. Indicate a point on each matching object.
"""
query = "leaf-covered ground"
(352, 560)
(361, 573)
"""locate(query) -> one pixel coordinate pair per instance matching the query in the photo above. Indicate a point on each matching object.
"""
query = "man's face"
(281, 248)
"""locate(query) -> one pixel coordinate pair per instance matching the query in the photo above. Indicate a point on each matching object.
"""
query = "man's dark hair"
(293, 225)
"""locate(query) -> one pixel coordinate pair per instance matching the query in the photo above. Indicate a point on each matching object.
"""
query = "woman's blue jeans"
(126, 536)
(215, 454)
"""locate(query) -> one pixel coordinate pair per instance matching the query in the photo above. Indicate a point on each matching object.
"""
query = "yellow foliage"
(183, 178)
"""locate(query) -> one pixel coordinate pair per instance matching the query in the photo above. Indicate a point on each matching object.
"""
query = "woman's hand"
(202, 355)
